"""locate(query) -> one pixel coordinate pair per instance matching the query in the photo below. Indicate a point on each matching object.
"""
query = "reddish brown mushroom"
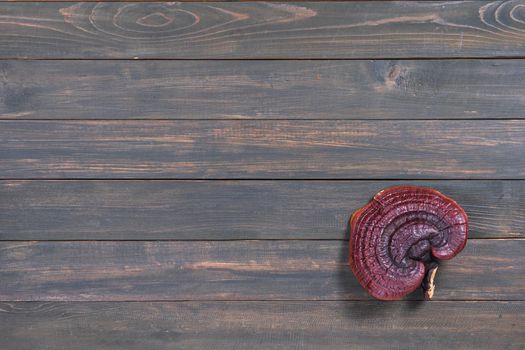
(398, 238)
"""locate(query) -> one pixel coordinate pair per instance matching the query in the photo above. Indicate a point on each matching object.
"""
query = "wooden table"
(180, 175)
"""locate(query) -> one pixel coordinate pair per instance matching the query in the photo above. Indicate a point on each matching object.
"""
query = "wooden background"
(180, 175)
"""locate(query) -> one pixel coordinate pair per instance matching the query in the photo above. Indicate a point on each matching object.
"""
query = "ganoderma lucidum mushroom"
(398, 238)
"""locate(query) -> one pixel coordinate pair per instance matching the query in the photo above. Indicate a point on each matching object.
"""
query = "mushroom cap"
(398, 233)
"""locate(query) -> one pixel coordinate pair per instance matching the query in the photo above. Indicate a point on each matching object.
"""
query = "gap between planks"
(247, 179)
(257, 119)
(291, 58)
(224, 301)
(220, 240)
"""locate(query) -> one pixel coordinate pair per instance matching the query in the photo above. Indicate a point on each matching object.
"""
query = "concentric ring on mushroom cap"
(397, 227)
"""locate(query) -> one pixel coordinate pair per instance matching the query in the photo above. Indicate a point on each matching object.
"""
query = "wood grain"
(262, 89)
(93, 258)
(234, 270)
(262, 30)
(263, 325)
(216, 210)
(263, 149)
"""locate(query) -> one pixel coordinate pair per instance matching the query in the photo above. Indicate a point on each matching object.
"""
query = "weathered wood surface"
(216, 210)
(234, 270)
(263, 149)
(263, 325)
(391, 89)
(262, 30)
(210, 285)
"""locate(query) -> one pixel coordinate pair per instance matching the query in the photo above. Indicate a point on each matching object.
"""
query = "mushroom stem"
(429, 285)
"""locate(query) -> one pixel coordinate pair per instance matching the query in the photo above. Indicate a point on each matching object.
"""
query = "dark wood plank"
(215, 210)
(263, 149)
(262, 30)
(234, 270)
(263, 325)
(262, 89)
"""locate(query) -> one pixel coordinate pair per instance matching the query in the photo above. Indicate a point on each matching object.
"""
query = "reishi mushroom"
(397, 240)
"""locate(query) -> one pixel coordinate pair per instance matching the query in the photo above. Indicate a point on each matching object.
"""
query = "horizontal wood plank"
(420, 89)
(263, 325)
(216, 210)
(234, 270)
(262, 30)
(263, 149)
